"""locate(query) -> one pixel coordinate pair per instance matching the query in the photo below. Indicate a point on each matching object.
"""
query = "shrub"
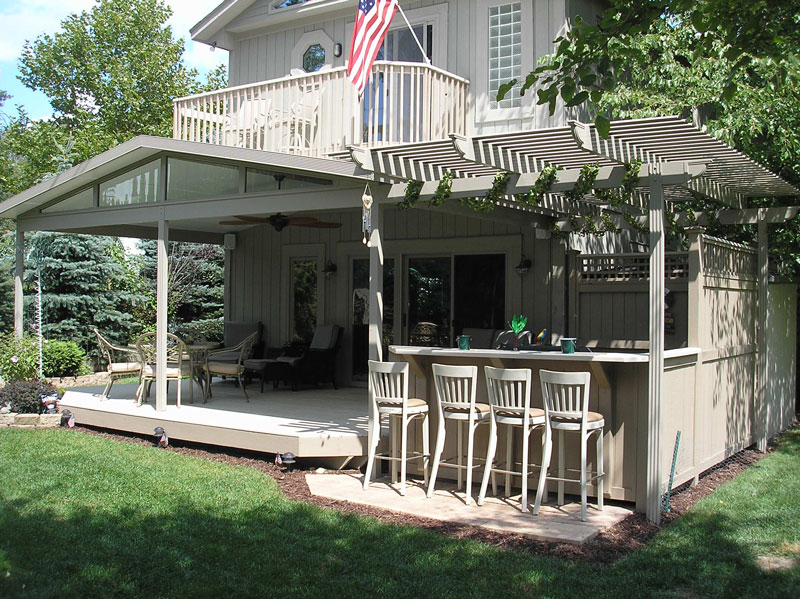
(63, 358)
(25, 396)
(19, 358)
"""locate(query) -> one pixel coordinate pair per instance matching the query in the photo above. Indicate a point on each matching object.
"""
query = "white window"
(505, 53)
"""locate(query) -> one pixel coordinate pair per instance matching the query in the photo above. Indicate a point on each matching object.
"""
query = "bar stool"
(455, 400)
(566, 406)
(388, 395)
(510, 400)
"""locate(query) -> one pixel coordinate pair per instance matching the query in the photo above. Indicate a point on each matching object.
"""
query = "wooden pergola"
(677, 160)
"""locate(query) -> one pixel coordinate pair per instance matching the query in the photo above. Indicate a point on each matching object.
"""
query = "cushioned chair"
(481, 338)
(121, 362)
(317, 364)
(566, 404)
(179, 365)
(235, 333)
(388, 395)
(455, 400)
(216, 367)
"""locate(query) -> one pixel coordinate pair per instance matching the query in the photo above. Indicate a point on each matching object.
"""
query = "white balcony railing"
(318, 113)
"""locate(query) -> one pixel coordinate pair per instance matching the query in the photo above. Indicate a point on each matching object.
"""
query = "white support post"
(19, 273)
(376, 285)
(761, 400)
(162, 285)
(656, 365)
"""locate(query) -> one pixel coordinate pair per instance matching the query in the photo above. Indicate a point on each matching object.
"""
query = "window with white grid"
(505, 52)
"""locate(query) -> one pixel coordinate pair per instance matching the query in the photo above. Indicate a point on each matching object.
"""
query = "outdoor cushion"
(412, 402)
(237, 331)
(590, 417)
(480, 408)
(533, 413)
(223, 368)
(172, 371)
(117, 367)
(226, 356)
(324, 336)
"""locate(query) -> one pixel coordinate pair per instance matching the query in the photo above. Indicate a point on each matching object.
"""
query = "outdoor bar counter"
(618, 391)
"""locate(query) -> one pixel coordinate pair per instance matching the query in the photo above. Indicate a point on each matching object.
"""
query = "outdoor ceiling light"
(523, 266)
(329, 270)
(337, 49)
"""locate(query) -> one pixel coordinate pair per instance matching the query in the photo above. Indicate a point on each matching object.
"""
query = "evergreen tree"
(84, 285)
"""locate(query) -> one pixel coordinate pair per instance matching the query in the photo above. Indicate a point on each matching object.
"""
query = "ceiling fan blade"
(237, 223)
(253, 219)
(321, 224)
(302, 221)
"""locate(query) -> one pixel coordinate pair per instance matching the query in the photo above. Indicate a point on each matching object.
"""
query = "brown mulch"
(606, 548)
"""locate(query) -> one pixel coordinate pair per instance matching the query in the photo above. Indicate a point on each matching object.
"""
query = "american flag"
(372, 21)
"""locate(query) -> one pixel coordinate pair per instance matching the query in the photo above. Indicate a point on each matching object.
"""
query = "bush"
(25, 396)
(63, 358)
(19, 358)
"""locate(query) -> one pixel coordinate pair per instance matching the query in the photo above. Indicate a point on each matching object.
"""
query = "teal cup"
(568, 345)
(463, 341)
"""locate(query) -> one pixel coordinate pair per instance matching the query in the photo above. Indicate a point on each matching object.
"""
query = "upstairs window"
(505, 53)
(313, 58)
(278, 4)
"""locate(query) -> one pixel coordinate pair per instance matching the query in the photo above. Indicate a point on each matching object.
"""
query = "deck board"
(309, 423)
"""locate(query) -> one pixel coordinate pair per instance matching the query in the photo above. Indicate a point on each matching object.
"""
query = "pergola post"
(19, 273)
(376, 285)
(655, 388)
(761, 400)
(162, 284)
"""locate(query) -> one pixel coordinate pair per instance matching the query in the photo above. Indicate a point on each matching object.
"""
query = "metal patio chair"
(121, 362)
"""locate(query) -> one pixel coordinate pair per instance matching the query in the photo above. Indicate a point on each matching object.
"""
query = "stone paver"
(562, 524)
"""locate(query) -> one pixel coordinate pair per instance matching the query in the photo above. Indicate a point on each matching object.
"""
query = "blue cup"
(568, 345)
(463, 341)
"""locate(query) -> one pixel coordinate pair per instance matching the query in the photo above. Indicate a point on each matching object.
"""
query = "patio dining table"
(197, 356)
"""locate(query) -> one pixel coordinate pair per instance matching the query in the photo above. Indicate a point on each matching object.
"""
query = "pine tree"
(84, 285)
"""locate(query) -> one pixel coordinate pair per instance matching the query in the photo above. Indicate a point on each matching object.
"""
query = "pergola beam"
(750, 216)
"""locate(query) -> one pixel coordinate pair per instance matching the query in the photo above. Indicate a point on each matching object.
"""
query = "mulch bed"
(606, 548)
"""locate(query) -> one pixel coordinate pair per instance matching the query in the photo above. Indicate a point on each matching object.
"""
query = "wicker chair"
(179, 365)
(121, 362)
(213, 367)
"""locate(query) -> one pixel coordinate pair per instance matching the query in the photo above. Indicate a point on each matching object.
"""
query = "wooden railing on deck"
(318, 113)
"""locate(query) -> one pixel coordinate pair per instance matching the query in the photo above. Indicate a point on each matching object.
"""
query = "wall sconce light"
(337, 49)
(523, 266)
(329, 270)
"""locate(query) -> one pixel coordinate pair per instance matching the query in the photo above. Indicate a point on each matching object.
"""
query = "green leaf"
(603, 125)
(504, 89)
(578, 98)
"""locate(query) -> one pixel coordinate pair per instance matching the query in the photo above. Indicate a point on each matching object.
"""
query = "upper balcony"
(318, 113)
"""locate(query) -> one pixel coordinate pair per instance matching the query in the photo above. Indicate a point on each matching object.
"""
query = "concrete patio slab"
(501, 514)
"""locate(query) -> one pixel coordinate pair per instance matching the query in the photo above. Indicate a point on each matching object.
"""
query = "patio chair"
(317, 364)
(215, 367)
(510, 399)
(121, 362)
(179, 365)
(388, 396)
(566, 406)
(234, 333)
(455, 400)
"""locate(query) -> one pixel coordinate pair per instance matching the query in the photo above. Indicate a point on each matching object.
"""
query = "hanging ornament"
(366, 215)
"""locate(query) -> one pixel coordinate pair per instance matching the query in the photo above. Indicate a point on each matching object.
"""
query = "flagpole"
(416, 39)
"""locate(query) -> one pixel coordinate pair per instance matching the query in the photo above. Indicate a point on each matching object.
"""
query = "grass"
(83, 516)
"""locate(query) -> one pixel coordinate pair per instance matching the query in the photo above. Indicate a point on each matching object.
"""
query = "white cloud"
(21, 21)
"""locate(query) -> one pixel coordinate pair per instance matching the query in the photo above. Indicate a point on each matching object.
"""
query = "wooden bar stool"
(455, 400)
(510, 400)
(566, 406)
(388, 396)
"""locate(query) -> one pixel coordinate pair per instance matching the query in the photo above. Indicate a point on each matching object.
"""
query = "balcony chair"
(510, 399)
(224, 367)
(179, 365)
(317, 364)
(566, 406)
(455, 400)
(388, 396)
(121, 362)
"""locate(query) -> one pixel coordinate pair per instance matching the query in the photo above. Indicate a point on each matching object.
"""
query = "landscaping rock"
(7, 419)
(26, 419)
(50, 420)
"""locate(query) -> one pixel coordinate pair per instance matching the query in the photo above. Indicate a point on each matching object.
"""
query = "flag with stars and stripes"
(372, 21)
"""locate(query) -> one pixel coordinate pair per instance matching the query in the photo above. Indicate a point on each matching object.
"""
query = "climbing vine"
(413, 189)
(544, 182)
(442, 193)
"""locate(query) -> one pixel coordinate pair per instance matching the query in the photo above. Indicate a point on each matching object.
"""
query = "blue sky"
(25, 20)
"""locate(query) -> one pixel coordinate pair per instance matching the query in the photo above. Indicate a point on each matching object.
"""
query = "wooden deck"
(313, 423)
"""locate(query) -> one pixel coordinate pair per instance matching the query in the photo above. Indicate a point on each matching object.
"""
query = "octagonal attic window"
(313, 58)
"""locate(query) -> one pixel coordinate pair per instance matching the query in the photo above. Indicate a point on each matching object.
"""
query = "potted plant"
(517, 325)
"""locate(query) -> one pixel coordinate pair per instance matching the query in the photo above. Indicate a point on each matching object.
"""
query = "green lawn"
(83, 516)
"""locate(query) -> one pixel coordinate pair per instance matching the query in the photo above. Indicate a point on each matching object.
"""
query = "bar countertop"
(599, 356)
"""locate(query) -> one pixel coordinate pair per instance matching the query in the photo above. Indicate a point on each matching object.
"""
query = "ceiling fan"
(280, 221)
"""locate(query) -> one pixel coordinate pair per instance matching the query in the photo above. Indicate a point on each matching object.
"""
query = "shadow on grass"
(172, 543)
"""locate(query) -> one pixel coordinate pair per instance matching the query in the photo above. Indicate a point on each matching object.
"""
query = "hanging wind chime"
(366, 215)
